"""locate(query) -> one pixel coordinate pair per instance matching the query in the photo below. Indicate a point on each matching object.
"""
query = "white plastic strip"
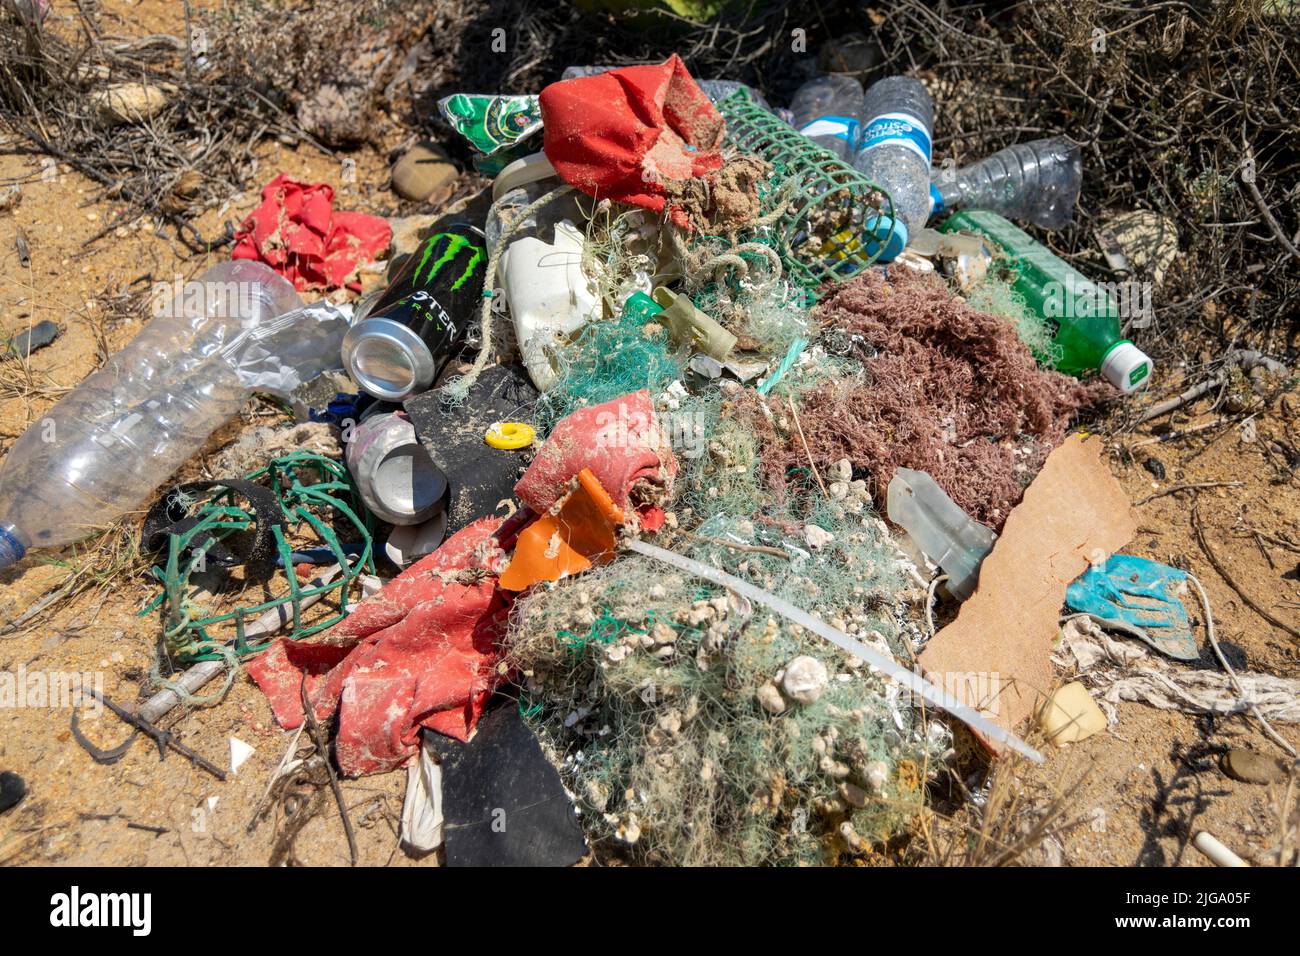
(914, 682)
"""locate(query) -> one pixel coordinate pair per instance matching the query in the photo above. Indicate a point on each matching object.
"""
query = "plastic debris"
(53, 493)
(1036, 182)
(502, 800)
(944, 533)
(492, 122)
(1138, 597)
(239, 754)
(1087, 319)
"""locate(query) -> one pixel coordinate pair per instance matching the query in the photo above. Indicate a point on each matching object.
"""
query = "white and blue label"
(841, 127)
(898, 129)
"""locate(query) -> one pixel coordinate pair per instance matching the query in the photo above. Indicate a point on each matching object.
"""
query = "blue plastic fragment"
(1138, 597)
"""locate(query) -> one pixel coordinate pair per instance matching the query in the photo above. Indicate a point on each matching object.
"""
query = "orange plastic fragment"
(559, 544)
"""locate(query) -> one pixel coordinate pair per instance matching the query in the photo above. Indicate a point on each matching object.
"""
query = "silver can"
(393, 472)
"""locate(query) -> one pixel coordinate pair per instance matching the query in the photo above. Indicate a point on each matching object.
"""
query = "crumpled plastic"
(268, 361)
(1140, 597)
(423, 652)
(491, 122)
(626, 449)
(626, 134)
(297, 232)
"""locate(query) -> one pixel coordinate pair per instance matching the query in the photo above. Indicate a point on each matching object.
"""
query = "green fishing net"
(319, 503)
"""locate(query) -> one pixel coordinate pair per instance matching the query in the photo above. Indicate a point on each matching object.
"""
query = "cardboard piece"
(995, 656)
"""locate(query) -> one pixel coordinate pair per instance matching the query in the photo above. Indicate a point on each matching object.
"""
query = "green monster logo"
(455, 243)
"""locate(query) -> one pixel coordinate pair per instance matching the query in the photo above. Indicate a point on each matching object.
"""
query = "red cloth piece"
(297, 233)
(622, 135)
(423, 652)
(623, 445)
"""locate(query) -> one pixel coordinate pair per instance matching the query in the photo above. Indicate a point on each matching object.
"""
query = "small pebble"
(1250, 767)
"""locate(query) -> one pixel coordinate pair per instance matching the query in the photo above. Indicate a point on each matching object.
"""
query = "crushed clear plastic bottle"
(828, 110)
(1036, 182)
(898, 117)
(103, 448)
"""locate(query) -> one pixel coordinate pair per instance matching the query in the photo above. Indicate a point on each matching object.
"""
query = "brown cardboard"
(996, 655)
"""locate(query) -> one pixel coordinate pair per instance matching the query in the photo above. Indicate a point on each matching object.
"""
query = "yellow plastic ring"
(509, 435)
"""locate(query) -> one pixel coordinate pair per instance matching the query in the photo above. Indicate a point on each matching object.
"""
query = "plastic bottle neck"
(13, 545)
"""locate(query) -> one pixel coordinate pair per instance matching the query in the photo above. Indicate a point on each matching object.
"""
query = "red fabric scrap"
(423, 652)
(622, 443)
(624, 134)
(297, 233)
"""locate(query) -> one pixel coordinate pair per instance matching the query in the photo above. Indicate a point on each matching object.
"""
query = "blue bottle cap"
(884, 229)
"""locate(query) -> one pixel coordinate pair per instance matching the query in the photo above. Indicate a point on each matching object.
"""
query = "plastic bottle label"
(936, 200)
(898, 129)
(841, 127)
(11, 549)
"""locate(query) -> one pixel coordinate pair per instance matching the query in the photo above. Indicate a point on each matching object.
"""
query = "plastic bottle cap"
(509, 435)
(1126, 367)
(887, 230)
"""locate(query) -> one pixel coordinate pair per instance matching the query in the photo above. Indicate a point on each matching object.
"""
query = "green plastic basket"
(819, 237)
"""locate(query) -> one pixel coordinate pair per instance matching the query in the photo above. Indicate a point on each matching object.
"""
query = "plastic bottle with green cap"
(1082, 315)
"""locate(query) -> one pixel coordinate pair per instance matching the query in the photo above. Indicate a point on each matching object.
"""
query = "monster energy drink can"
(419, 322)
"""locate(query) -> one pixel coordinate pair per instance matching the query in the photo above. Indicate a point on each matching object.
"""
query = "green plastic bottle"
(1083, 318)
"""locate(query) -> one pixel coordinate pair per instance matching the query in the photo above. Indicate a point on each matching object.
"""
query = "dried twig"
(1189, 486)
(1231, 582)
(322, 747)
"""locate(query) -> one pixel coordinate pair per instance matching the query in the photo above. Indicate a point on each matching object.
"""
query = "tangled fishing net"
(698, 729)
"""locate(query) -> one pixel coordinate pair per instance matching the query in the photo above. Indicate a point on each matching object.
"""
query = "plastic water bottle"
(894, 154)
(103, 448)
(828, 110)
(1084, 318)
(1035, 182)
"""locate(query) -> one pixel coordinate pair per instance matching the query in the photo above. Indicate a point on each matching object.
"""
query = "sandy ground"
(1148, 783)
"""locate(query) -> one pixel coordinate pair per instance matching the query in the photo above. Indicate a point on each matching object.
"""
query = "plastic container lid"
(1126, 366)
(521, 172)
(887, 230)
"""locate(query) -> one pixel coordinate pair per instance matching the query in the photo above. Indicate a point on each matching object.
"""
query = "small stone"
(12, 790)
(129, 102)
(853, 795)
(1071, 714)
(1250, 767)
(804, 679)
(839, 490)
(842, 470)
(816, 538)
(877, 775)
(769, 698)
(421, 171)
(833, 768)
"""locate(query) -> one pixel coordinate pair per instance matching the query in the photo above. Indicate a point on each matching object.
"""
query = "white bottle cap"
(1126, 367)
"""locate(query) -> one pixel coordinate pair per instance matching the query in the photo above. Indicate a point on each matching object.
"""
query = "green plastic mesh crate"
(831, 204)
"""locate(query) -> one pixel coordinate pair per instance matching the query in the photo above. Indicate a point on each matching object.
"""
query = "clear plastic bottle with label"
(894, 153)
(828, 110)
(103, 448)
